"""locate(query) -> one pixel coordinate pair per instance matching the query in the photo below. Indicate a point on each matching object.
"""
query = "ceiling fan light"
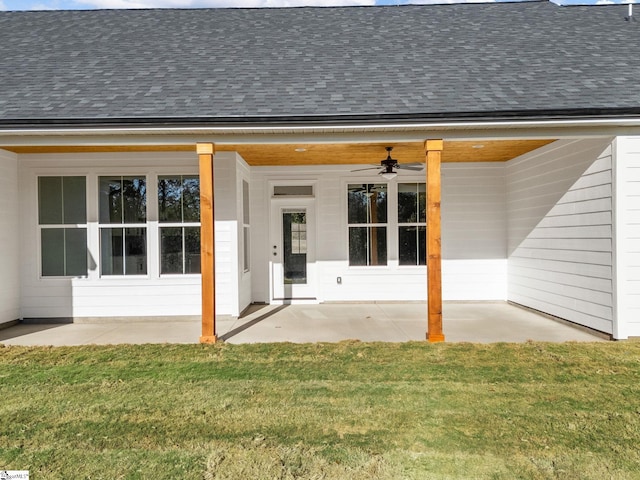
(388, 175)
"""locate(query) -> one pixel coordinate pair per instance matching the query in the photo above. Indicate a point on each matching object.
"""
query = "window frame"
(60, 226)
(419, 224)
(102, 226)
(174, 224)
(246, 226)
(368, 225)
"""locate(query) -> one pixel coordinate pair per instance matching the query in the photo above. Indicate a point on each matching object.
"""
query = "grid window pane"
(75, 251)
(112, 251)
(245, 202)
(378, 249)
(52, 248)
(412, 200)
(407, 203)
(135, 247)
(367, 203)
(123, 251)
(246, 258)
(191, 198)
(408, 245)
(171, 257)
(50, 200)
(63, 252)
(123, 199)
(422, 203)
(422, 245)
(169, 199)
(74, 198)
(134, 198)
(358, 246)
(110, 199)
(61, 200)
(192, 250)
(179, 202)
(179, 199)
(179, 250)
(367, 246)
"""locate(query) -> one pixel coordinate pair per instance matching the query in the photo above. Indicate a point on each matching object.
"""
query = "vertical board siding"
(628, 216)
(9, 235)
(560, 231)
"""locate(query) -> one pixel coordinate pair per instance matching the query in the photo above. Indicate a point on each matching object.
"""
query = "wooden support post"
(433, 150)
(206, 152)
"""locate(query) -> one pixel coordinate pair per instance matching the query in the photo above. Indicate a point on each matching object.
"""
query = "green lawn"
(348, 411)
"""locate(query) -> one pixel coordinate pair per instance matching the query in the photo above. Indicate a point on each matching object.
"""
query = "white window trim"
(388, 224)
(102, 226)
(40, 227)
(409, 224)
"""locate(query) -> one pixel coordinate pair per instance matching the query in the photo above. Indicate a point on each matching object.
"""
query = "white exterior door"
(292, 256)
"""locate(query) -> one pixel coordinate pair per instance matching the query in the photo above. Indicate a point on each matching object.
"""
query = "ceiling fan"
(388, 164)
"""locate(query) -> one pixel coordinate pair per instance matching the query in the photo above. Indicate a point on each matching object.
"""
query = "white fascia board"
(356, 133)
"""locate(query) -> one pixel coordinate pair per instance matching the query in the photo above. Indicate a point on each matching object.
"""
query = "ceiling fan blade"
(368, 168)
(411, 166)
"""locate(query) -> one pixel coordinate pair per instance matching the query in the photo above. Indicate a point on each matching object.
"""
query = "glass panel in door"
(294, 247)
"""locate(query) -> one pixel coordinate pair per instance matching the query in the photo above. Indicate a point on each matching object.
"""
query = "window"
(293, 191)
(367, 219)
(62, 219)
(412, 200)
(179, 216)
(246, 231)
(123, 228)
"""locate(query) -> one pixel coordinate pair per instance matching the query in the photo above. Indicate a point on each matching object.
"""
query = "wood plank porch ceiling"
(327, 154)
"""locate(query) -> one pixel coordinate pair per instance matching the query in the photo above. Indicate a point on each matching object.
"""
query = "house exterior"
(192, 162)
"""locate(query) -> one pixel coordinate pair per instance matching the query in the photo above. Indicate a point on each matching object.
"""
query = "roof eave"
(288, 121)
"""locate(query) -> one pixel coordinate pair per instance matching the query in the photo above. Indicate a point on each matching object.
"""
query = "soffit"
(326, 154)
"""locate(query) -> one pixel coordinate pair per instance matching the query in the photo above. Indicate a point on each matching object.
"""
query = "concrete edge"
(9, 324)
(564, 321)
(94, 320)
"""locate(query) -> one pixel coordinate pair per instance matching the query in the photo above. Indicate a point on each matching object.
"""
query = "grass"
(349, 410)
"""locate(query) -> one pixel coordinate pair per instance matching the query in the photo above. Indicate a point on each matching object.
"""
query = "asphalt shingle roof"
(436, 61)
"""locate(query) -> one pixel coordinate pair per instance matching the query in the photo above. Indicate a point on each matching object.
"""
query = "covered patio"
(478, 322)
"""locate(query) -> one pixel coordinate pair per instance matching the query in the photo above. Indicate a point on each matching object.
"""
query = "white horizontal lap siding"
(163, 297)
(9, 234)
(95, 296)
(474, 265)
(560, 231)
(627, 175)
(473, 226)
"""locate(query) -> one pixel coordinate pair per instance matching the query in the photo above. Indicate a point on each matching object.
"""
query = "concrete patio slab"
(367, 322)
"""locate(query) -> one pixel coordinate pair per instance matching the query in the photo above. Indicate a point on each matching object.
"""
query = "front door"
(293, 249)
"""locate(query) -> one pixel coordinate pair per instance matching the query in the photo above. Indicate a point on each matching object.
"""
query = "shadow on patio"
(483, 322)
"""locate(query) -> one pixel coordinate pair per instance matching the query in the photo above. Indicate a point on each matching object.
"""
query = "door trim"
(309, 293)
